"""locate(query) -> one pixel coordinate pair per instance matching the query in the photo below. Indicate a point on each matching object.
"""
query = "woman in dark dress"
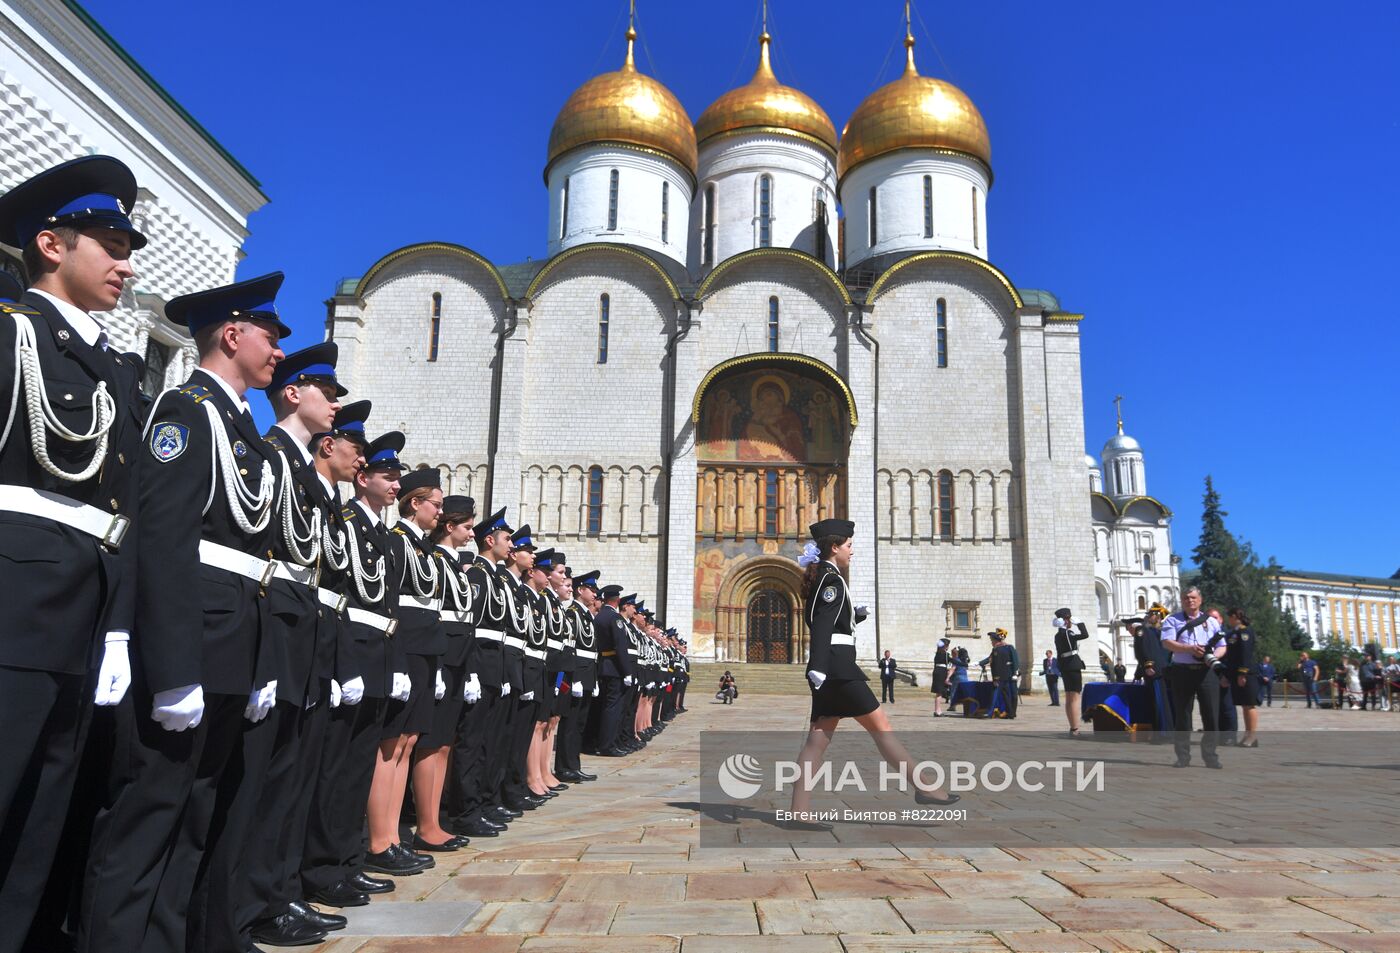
(940, 677)
(1069, 632)
(840, 689)
(1243, 673)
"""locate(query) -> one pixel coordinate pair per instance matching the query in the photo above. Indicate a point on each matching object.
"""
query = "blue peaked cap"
(310, 365)
(80, 193)
(251, 300)
(383, 452)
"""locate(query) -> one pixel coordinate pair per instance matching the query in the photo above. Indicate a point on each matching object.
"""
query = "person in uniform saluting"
(201, 615)
(1069, 632)
(839, 687)
(69, 449)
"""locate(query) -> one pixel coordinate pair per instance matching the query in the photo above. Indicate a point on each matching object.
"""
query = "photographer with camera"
(1194, 639)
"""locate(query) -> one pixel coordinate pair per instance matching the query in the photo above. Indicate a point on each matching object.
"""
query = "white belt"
(105, 527)
(411, 601)
(332, 599)
(307, 576)
(455, 615)
(374, 620)
(840, 638)
(535, 653)
(633, 652)
(555, 644)
(491, 635)
(512, 641)
(586, 653)
(239, 563)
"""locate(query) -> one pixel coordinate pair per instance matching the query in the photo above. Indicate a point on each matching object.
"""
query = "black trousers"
(886, 689)
(1190, 684)
(612, 707)
(522, 726)
(1008, 692)
(475, 755)
(46, 717)
(162, 813)
(568, 741)
(334, 845)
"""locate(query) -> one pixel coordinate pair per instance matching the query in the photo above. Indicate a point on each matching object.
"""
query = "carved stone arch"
(406, 254)
(743, 581)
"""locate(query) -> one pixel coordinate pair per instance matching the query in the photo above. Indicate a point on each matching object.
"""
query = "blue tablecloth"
(1137, 703)
(979, 699)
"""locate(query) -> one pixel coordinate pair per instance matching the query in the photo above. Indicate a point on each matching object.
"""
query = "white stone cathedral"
(711, 358)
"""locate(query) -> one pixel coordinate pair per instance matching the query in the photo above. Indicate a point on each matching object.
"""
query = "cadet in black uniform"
(1006, 670)
(558, 664)
(840, 688)
(478, 758)
(525, 667)
(1069, 632)
(576, 598)
(618, 673)
(68, 456)
(535, 594)
(201, 614)
(1242, 671)
(939, 684)
(430, 759)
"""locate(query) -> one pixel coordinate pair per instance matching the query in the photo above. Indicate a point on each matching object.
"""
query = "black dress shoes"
(584, 775)
(363, 881)
(480, 827)
(446, 847)
(504, 813)
(319, 920)
(577, 777)
(613, 753)
(287, 929)
(398, 863)
(559, 787)
(425, 859)
(342, 894)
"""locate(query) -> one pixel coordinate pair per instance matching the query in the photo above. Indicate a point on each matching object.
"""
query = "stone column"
(860, 489)
(505, 477)
(1036, 574)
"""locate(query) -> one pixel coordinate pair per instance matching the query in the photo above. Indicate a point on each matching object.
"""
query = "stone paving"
(612, 866)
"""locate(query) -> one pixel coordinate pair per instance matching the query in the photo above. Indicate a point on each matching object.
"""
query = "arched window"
(595, 501)
(612, 201)
(928, 206)
(941, 333)
(1147, 562)
(874, 224)
(773, 324)
(708, 239)
(765, 211)
(820, 222)
(665, 211)
(1142, 603)
(564, 211)
(770, 503)
(945, 504)
(435, 328)
(974, 218)
(604, 305)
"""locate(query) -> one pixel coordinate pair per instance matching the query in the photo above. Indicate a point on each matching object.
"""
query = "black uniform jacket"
(420, 630)
(63, 590)
(342, 660)
(1067, 647)
(513, 656)
(532, 668)
(196, 624)
(487, 656)
(456, 608)
(585, 669)
(375, 551)
(829, 612)
(1240, 651)
(611, 632)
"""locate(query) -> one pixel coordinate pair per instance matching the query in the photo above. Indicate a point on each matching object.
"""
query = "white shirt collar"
(412, 528)
(330, 487)
(305, 453)
(227, 388)
(373, 516)
(89, 329)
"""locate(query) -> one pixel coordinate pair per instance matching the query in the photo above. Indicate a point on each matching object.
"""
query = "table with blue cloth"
(979, 699)
(1133, 703)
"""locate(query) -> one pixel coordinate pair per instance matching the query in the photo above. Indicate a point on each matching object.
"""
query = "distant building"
(1356, 609)
(67, 89)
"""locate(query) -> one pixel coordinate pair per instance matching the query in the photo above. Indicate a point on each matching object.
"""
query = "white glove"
(337, 693)
(816, 678)
(471, 692)
(595, 689)
(556, 689)
(114, 677)
(178, 708)
(528, 697)
(650, 685)
(627, 680)
(505, 689)
(1074, 620)
(440, 688)
(260, 702)
(576, 689)
(353, 691)
(403, 687)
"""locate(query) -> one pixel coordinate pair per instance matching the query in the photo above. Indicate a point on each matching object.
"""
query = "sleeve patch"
(829, 594)
(169, 440)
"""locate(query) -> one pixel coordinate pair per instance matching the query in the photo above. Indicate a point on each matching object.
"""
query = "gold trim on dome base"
(630, 147)
(773, 357)
(1063, 316)
(773, 131)
(925, 150)
(791, 253)
(764, 103)
(429, 248)
(564, 256)
(885, 278)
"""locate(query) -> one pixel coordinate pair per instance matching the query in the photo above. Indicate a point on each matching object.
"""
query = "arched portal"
(771, 445)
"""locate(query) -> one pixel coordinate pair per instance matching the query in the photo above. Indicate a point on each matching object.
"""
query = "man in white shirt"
(1196, 644)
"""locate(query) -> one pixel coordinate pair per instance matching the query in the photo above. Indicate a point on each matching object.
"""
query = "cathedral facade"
(711, 358)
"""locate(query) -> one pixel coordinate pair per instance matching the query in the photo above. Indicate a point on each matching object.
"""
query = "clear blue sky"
(1214, 184)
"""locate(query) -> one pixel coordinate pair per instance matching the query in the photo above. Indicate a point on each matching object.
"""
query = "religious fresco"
(713, 563)
(772, 416)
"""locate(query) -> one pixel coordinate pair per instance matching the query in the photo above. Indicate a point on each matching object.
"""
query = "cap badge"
(63, 336)
(240, 449)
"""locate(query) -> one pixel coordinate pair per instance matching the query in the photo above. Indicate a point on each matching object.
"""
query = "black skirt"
(843, 698)
(447, 711)
(414, 716)
(940, 681)
(1073, 680)
(1248, 695)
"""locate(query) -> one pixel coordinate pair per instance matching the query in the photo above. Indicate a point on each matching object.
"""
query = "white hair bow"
(810, 554)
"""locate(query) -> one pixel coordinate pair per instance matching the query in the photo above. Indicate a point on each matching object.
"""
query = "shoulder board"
(273, 441)
(196, 392)
(347, 512)
(400, 530)
(8, 308)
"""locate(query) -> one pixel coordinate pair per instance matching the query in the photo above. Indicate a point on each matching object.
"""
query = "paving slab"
(699, 917)
(769, 944)
(1022, 883)
(1125, 941)
(951, 942)
(1381, 916)
(427, 918)
(1360, 942)
(748, 886)
(1255, 884)
(1239, 941)
(929, 916)
(1269, 913)
(624, 887)
(829, 916)
(495, 944)
(1128, 883)
(593, 944)
(502, 887)
(1113, 913)
(1349, 884)
(1046, 941)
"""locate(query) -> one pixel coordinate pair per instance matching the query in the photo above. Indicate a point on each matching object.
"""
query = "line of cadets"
(218, 678)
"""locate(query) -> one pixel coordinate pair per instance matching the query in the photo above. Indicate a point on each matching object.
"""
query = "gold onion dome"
(913, 112)
(624, 107)
(764, 104)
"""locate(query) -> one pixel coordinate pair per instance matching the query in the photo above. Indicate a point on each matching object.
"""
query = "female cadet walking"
(452, 531)
(940, 677)
(839, 688)
(417, 643)
(1069, 632)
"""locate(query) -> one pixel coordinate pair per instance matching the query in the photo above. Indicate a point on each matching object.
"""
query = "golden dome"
(765, 103)
(627, 107)
(913, 112)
